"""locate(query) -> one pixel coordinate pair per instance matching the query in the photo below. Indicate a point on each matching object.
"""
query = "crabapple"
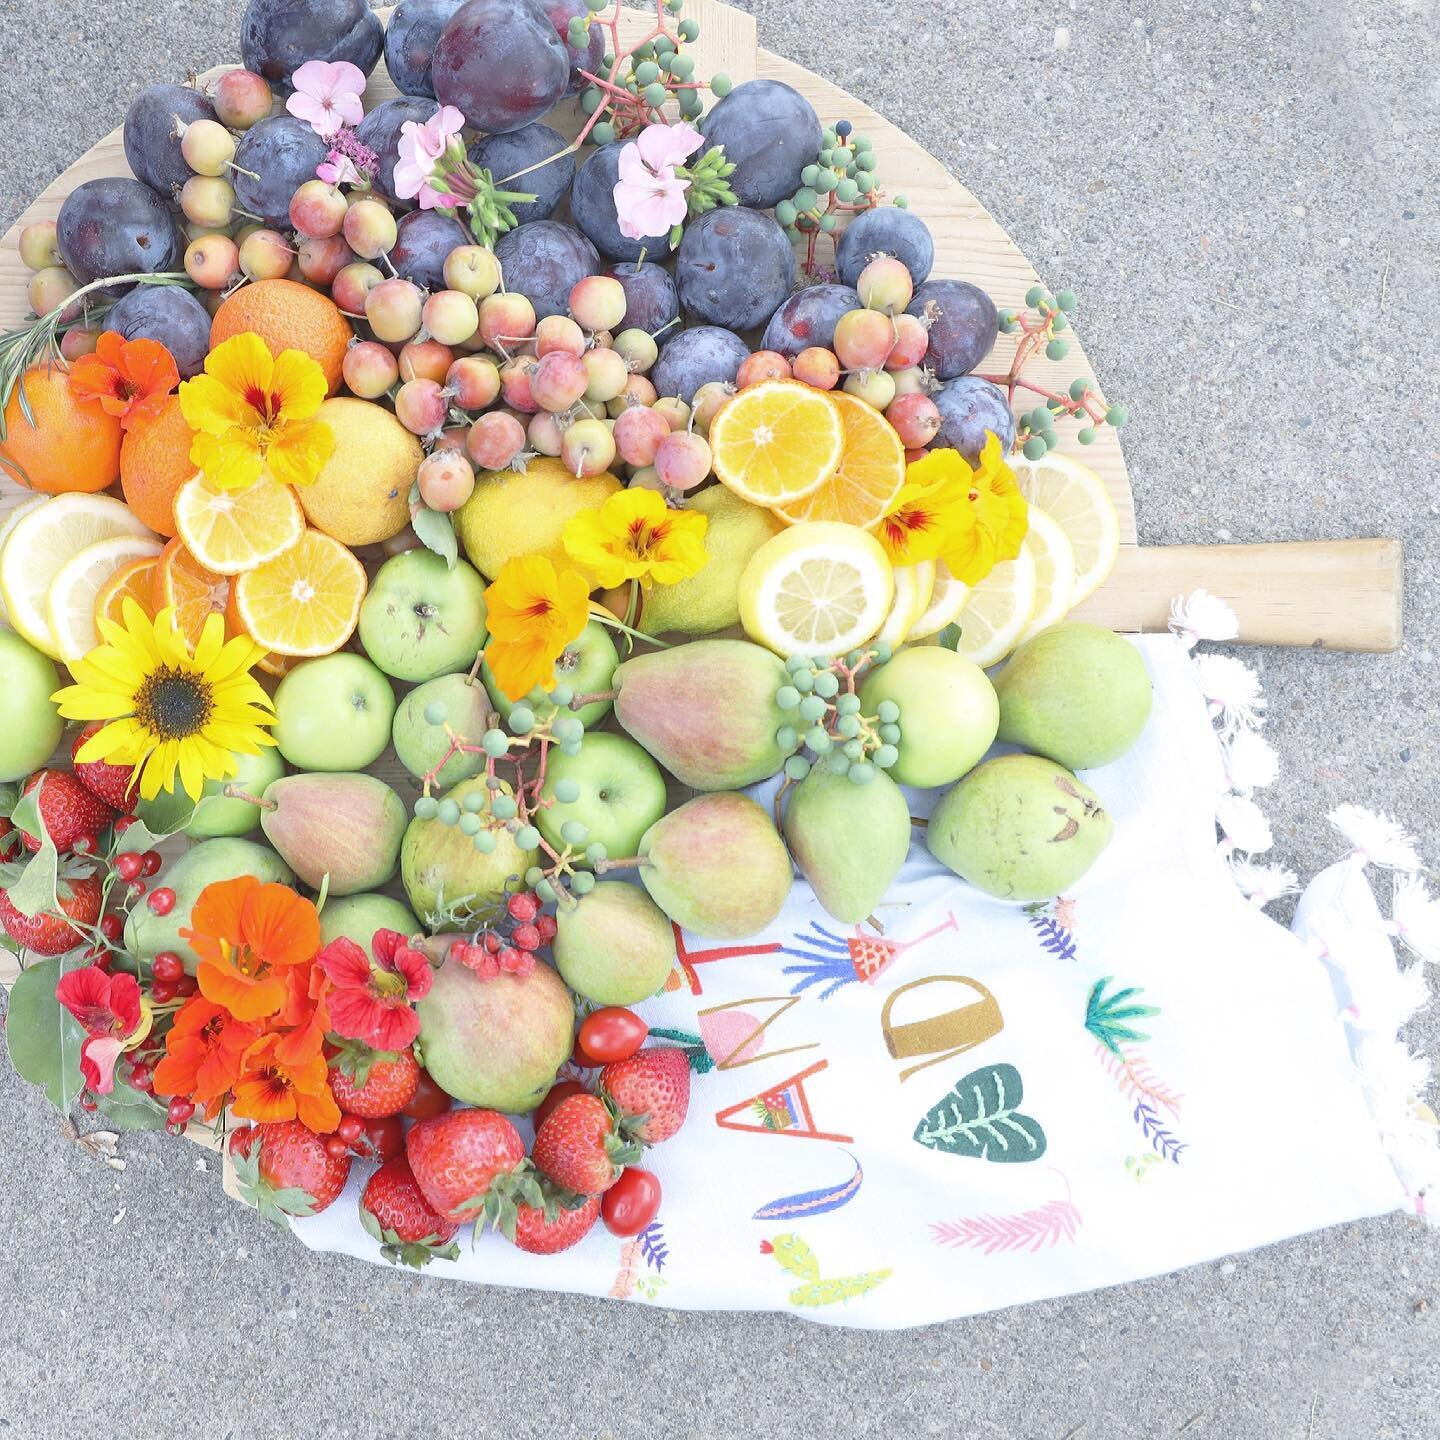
(394, 308)
(446, 480)
(874, 387)
(916, 419)
(817, 367)
(212, 263)
(425, 360)
(495, 440)
(559, 332)
(48, 289)
(707, 402)
(885, 284)
(505, 319)
(683, 460)
(208, 147)
(912, 340)
(515, 377)
(637, 348)
(911, 381)
(369, 369)
(647, 477)
(638, 391)
(451, 317)
(598, 302)
(77, 342)
(762, 365)
(474, 380)
(318, 210)
(207, 200)
(473, 270)
(242, 98)
(320, 261)
(451, 438)
(607, 373)
(638, 433)
(587, 448)
(673, 410)
(370, 229)
(863, 339)
(350, 287)
(420, 406)
(559, 381)
(38, 247)
(545, 434)
(265, 255)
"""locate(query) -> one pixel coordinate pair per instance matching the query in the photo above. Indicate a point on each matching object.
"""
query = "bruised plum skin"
(380, 132)
(770, 133)
(886, 230)
(154, 124)
(501, 63)
(651, 300)
(695, 358)
(970, 408)
(963, 325)
(283, 153)
(809, 318)
(544, 261)
(278, 36)
(592, 206)
(423, 239)
(509, 154)
(116, 226)
(735, 268)
(410, 40)
(172, 316)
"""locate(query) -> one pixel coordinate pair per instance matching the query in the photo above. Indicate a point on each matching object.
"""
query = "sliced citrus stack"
(872, 470)
(305, 602)
(776, 442)
(181, 582)
(913, 584)
(70, 603)
(947, 600)
(132, 581)
(1075, 497)
(1054, 573)
(270, 663)
(7, 524)
(998, 610)
(230, 531)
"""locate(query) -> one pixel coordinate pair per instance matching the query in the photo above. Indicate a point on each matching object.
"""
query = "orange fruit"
(228, 531)
(270, 663)
(154, 463)
(71, 446)
(195, 592)
(133, 581)
(872, 470)
(306, 602)
(287, 316)
(777, 442)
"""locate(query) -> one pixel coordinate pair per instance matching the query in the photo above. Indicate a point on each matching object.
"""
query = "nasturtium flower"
(204, 1050)
(110, 1010)
(634, 535)
(372, 1002)
(128, 378)
(533, 612)
(281, 1079)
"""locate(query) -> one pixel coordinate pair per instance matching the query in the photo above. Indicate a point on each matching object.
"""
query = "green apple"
(358, 917)
(612, 787)
(216, 814)
(423, 618)
(30, 725)
(420, 745)
(586, 665)
(948, 713)
(334, 713)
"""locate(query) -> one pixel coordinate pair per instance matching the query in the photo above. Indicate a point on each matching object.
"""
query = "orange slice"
(270, 664)
(231, 531)
(872, 470)
(305, 602)
(181, 581)
(777, 442)
(132, 581)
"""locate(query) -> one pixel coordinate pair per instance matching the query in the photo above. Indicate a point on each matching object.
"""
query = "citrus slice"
(7, 524)
(181, 582)
(1075, 497)
(947, 600)
(230, 531)
(776, 442)
(998, 610)
(40, 544)
(913, 584)
(70, 603)
(872, 470)
(270, 663)
(132, 581)
(305, 602)
(819, 588)
(1054, 573)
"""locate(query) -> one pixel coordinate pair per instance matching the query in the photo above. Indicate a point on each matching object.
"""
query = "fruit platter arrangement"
(469, 541)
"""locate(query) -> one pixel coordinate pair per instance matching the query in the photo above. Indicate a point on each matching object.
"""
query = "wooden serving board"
(1342, 594)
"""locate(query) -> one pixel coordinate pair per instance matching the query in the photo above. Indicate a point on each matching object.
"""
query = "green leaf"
(1106, 1016)
(978, 1119)
(44, 1039)
(172, 813)
(127, 1108)
(25, 814)
(9, 798)
(34, 891)
(437, 533)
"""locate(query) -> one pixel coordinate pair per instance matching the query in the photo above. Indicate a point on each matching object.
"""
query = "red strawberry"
(373, 1083)
(81, 897)
(651, 1092)
(470, 1164)
(396, 1213)
(112, 783)
(289, 1172)
(68, 810)
(550, 1228)
(577, 1146)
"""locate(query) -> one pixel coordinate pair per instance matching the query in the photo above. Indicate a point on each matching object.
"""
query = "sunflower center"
(173, 704)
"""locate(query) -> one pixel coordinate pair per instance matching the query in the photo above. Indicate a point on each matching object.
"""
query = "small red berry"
(242, 1139)
(492, 942)
(167, 966)
(95, 953)
(128, 866)
(186, 986)
(140, 1075)
(350, 1128)
(162, 902)
(527, 936)
(112, 927)
(524, 906)
(150, 862)
(335, 1147)
(124, 823)
(138, 888)
(180, 1110)
(510, 959)
(545, 924)
(161, 993)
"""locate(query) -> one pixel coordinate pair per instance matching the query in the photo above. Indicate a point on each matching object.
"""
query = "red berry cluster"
(508, 946)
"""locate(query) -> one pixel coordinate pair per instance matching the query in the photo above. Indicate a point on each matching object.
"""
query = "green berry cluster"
(827, 721)
(842, 178)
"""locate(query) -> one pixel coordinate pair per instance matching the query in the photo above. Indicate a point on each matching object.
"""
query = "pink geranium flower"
(327, 95)
(649, 195)
(108, 1006)
(421, 150)
(373, 1002)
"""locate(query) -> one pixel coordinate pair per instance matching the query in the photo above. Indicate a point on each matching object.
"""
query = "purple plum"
(963, 325)
(169, 314)
(770, 133)
(592, 206)
(283, 153)
(425, 238)
(544, 261)
(117, 226)
(508, 154)
(380, 130)
(410, 41)
(734, 268)
(501, 63)
(695, 358)
(808, 318)
(885, 230)
(651, 300)
(969, 408)
(154, 124)
(278, 36)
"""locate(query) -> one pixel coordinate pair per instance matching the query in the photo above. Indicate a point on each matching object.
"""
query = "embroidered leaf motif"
(1030, 1230)
(1166, 1145)
(795, 1256)
(1134, 1078)
(652, 1245)
(978, 1119)
(833, 1292)
(813, 1202)
(1054, 938)
(1107, 1016)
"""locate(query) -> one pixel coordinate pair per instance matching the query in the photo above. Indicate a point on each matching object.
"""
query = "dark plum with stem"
(169, 314)
(280, 155)
(697, 357)
(516, 151)
(735, 267)
(963, 325)
(544, 261)
(423, 239)
(278, 36)
(885, 230)
(116, 226)
(592, 207)
(652, 302)
(154, 124)
(410, 40)
(561, 13)
(770, 132)
(808, 318)
(969, 409)
(380, 131)
(501, 63)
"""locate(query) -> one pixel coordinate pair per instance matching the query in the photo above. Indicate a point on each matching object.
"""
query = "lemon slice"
(1054, 573)
(7, 524)
(231, 531)
(998, 610)
(818, 588)
(913, 584)
(947, 600)
(1075, 497)
(41, 543)
(70, 605)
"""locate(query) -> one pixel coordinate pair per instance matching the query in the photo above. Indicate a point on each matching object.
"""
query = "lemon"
(998, 610)
(7, 524)
(913, 584)
(70, 604)
(1075, 497)
(947, 600)
(362, 494)
(1054, 573)
(40, 544)
(820, 588)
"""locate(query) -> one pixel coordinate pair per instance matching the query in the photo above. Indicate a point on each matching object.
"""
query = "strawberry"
(111, 783)
(81, 897)
(577, 1146)
(555, 1226)
(471, 1165)
(68, 811)
(373, 1083)
(397, 1214)
(289, 1171)
(650, 1092)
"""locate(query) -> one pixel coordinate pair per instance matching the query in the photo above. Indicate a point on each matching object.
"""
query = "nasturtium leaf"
(43, 1038)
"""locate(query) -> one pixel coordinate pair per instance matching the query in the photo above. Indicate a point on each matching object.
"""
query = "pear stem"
(234, 792)
(630, 862)
(581, 701)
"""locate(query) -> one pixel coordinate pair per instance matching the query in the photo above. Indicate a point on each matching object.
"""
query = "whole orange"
(71, 446)
(154, 463)
(287, 316)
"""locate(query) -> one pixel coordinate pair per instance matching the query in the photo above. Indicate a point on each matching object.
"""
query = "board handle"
(1328, 594)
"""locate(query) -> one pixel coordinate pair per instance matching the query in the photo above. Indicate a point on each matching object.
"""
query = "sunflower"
(169, 709)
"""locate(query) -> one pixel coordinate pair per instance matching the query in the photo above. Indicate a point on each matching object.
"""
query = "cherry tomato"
(561, 1090)
(631, 1203)
(383, 1139)
(429, 1099)
(612, 1034)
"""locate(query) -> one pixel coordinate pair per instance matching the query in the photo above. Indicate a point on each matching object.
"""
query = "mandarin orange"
(287, 316)
(154, 463)
(71, 446)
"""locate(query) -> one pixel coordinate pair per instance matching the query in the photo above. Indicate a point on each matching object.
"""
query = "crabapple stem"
(629, 862)
(580, 701)
(234, 792)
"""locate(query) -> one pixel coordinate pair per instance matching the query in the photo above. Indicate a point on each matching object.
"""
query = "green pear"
(1019, 827)
(358, 917)
(147, 934)
(716, 866)
(849, 840)
(216, 814)
(706, 711)
(614, 946)
(420, 745)
(1077, 693)
(348, 827)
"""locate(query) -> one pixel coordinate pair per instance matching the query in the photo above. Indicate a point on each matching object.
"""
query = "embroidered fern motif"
(1055, 939)
(1131, 1072)
(631, 1264)
(652, 1245)
(1107, 1017)
(1166, 1145)
(1030, 1230)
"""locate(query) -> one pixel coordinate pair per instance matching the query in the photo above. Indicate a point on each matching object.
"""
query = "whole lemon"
(362, 495)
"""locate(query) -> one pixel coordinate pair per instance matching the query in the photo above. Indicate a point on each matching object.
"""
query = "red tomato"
(631, 1203)
(383, 1139)
(611, 1034)
(429, 1099)
(561, 1090)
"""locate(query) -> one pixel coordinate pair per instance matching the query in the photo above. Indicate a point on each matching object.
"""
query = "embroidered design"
(1030, 1230)
(979, 1119)
(796, 1258)
(1134, 1078)
(1166, 1145)
(689, 959)
(1107, 1016)
(1054, 922)
(841, 960)
(734, 1037)
(783, 1109)
(943, 1036)
(814, 1202)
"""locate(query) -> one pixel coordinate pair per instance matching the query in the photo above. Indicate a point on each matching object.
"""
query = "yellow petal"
(212, 407)
(298, 450)
(115, 739)
(299, 384)
(244, 365)
(212, 642)
(232, 461)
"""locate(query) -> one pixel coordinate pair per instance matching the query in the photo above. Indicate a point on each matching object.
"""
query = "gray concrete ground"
(1244, 195)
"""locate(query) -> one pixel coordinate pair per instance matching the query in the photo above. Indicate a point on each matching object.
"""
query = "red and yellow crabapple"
(545, 434)
(473, 270)
(912, 340)
(394, 309)
(598, 302)
(77, 342)
(762, 365)
(683, 460)
(608, 375)
(863, 339)
(421, 407)
(587, 448)
(320, 261)
(474, 381)
(638, 433)
(638, 391)
(207, 200)
(350, 287)
(911, 381)
(874, 387)
(39, 248)
(242, 98)
(369, 229)
(451, 317)
(446, 479)
(265, 255)
(318, 210)
(495, 440)
(673, 410)
(707, 402)
(885, 285)
(369, 369)
(817, 367)
(637, 348)
(425, 360)
(212, 263)
(453, 437)
(559, 332)
(915, 418)
(559, 381)
(506, 319)
(515, 376)
(207, 146)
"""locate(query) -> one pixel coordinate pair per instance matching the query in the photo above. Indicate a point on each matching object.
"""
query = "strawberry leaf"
(44, 1039)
